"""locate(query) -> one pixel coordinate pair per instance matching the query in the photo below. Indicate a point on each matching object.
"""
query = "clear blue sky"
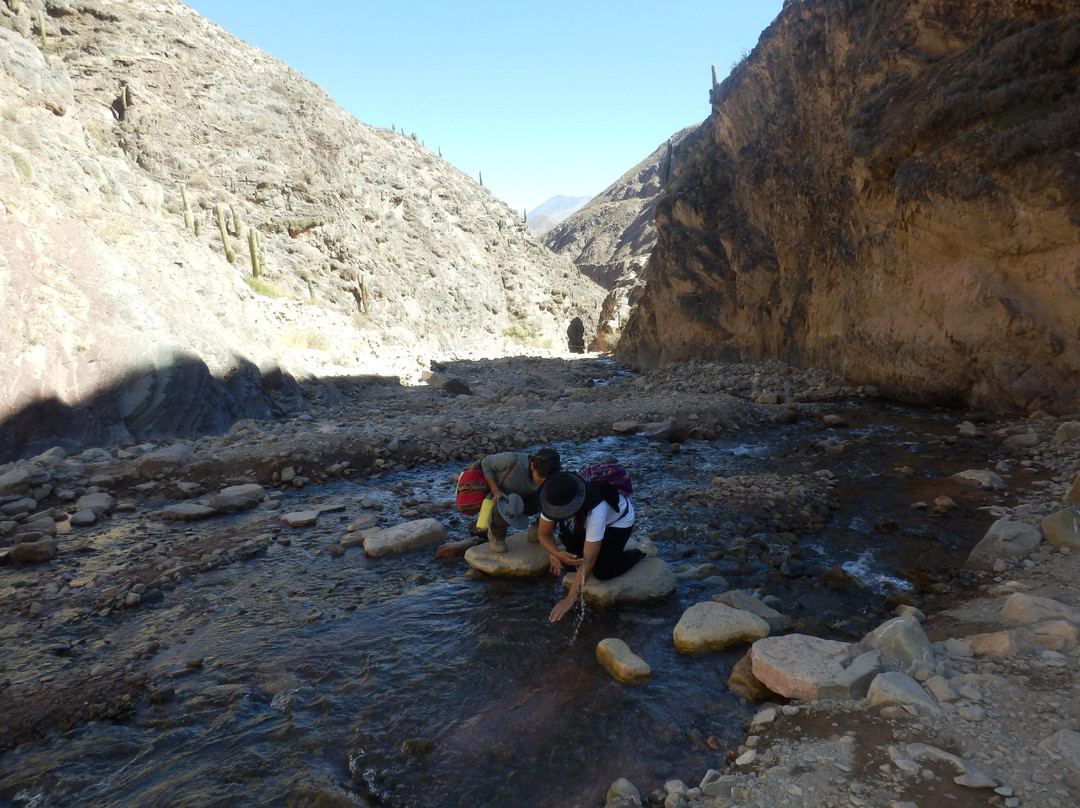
(547, 98)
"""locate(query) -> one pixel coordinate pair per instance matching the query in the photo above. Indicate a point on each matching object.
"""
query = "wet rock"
(895, 688)
(740, 598)
(624, 665)
(238, 497)
(1004, 540)
(710, 626)
(404, 537)
(522, 558)
(300, 518)
(837, 577)
(187, 512)
(982, 478)
(743, 683)
(648, 581)
(456, 549)
(795, 664)
(1062, 529)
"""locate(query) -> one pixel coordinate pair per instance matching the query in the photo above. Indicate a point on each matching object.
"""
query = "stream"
(307, 678)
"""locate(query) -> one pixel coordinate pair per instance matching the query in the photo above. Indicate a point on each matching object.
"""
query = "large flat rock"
(404, 537)
(647, 581)
(523, 558)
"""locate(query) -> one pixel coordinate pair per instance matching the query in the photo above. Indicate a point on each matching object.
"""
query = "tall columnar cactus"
(235, 220)
(230, 256)
(189, 219)
(41, 25)
(256, 256)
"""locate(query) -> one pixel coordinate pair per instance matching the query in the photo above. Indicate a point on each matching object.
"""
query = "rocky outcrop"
(612, 237)
(130, 306)
(890, 191)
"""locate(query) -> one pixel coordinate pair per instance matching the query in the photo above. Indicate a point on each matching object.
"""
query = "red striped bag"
(471, 489)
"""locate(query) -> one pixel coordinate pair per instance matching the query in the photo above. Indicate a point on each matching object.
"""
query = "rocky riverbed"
(1006, 709)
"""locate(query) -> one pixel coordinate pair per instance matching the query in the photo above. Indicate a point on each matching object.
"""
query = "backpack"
(471, 489)
(610, 473)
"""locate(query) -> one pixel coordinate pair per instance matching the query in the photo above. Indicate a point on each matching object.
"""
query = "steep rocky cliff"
(887, 189)
(123, 313)
(611, 238)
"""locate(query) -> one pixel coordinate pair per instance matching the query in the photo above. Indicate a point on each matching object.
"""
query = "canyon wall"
(890, 190)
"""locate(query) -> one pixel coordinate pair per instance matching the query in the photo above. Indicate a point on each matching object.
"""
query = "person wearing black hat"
(596, 521)
(518, 473)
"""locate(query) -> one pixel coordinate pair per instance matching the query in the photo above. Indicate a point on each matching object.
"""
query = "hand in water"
(561, 608)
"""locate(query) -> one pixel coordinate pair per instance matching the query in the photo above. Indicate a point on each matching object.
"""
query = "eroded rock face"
(885, 190)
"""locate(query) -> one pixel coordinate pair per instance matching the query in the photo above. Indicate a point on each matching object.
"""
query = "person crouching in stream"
(595, 523)
(513, 475)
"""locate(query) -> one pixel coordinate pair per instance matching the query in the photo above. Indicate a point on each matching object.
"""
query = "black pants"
(614, 559)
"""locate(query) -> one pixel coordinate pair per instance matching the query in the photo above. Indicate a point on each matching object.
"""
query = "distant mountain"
(548, 214)
(611, 238)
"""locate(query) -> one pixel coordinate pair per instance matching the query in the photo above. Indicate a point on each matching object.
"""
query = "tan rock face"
(889, 196)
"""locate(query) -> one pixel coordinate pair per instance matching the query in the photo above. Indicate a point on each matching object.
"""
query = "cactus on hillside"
(189, 219)
(256, 256)
(13, 5)
(41, 25)
(236, 223)
(230, 256)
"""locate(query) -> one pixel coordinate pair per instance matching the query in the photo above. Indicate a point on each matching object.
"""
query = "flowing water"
(306, 678)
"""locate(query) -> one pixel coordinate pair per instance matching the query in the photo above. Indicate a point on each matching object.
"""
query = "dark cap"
(562, 496)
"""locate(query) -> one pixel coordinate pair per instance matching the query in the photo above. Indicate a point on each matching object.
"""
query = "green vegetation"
(521, 332)
(265, 288)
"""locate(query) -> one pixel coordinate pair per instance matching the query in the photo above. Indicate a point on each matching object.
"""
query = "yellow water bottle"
(484, 517)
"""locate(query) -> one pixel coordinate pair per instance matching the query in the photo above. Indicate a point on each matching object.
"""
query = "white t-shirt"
(603, 516)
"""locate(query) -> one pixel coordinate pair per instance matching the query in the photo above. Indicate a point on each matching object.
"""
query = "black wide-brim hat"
(562, 496)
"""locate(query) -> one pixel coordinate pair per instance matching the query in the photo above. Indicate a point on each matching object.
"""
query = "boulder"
(742, 681)
(983, 479)
(793, 665)
(1062, 529)
(404, 537)
(300, 518)
(897, 688)
(238, 497)
(741, 599)
(901, 638)
(166, 459)
(523, 558)
(993, 644)
(1072, 496)
(33, 551)
(1066, 745)
(624, 665)
(1024, 608)
(711, 626)
(16, 481)
(648, 581)
(100, 503)
(852, 682)
(1005, 540)
(187, 512)
(1067, 432)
